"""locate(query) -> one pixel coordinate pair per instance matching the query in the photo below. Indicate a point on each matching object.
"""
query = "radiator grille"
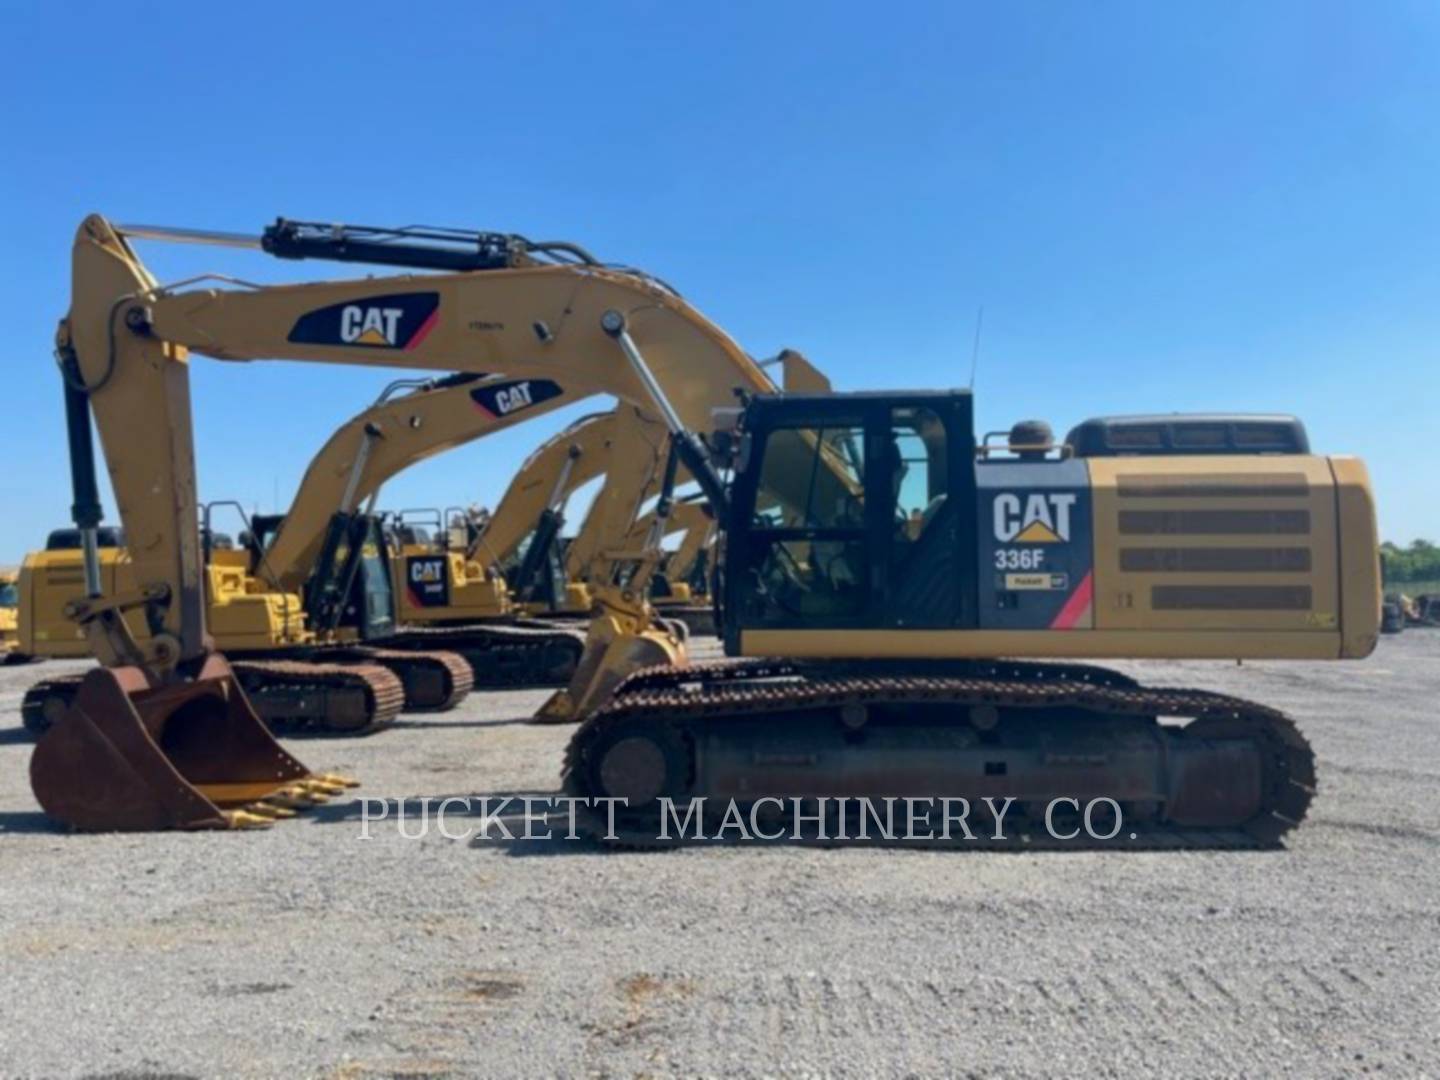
(1214, 560)
(1213, 486)
(1214, 522)
(1230, 598)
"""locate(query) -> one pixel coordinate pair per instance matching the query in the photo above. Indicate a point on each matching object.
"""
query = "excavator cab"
(849, 512)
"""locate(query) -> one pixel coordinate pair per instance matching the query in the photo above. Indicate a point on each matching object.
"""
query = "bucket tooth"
(243, 819)
(274, 813)
(288, 801)
(338, 778)
(320, 787)
(129, 754)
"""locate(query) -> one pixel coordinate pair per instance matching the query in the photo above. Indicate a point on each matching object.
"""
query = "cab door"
(802, 555)
(925, 567)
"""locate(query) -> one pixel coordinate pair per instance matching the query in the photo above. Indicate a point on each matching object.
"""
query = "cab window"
(808, 560)
(922, 568)
(812, 478)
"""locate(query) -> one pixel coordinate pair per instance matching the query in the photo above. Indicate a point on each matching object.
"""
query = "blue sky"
(1160, 206)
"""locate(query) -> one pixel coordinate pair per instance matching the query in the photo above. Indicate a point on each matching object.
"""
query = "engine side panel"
(1211, 544)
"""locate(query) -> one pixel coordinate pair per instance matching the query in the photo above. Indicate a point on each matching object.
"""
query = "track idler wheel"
(127, 755)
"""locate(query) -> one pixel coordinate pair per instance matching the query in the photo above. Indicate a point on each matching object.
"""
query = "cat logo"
(428, 584)
(502, 399)
(516, 397)
(1038, 518)
(423, 571)
(392, 321)
(369, 326)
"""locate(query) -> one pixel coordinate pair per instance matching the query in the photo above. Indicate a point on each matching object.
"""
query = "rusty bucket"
(128, 755)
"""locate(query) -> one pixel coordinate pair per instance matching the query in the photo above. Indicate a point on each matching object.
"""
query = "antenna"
(975, 350)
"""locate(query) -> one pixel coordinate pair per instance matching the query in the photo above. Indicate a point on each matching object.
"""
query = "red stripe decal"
(1077, 605)
(425, 328)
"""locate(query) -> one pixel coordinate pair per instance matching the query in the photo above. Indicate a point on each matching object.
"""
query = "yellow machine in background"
(305, 659)
(10, 616)
(250, 620)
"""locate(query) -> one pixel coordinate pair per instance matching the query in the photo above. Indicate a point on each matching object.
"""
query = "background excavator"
(306, 614)
(627, 448)
(683, 579)
(10, 617)
(878, 560)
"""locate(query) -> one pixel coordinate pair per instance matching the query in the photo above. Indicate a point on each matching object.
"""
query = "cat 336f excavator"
(879, 563)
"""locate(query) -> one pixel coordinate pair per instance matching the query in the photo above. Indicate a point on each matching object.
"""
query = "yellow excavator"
(10, 617)
(444, 598)
(310, 625)
(627, 448)
(313, 635)
(882, 570)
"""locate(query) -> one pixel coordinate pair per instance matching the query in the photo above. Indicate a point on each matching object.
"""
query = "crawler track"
(289, 695)
(823, 729)
(525, 653)
(338, 698)
(434, 680)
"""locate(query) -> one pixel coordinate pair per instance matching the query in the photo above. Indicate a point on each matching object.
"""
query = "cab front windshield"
(809, 525)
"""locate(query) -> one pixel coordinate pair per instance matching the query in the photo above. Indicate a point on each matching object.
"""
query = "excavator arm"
(693, 518)
(387, 438)
(130, 342)
(637, 454)
(583, 448)
(162, 735)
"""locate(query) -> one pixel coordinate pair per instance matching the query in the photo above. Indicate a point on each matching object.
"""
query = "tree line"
(1418, 562)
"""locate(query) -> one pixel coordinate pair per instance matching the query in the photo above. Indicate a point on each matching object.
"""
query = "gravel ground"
(306, 951)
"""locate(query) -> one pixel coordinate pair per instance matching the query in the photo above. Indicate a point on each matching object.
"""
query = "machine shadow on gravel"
(17, 822)
(530, 823)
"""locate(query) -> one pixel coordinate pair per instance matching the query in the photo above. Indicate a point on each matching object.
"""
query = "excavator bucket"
(615, 646)
(130, 756)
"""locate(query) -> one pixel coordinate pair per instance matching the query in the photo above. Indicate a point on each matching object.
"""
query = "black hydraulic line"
(535, 580)
(86, 511)
(413, 246)
(666, 502)
(696, 458)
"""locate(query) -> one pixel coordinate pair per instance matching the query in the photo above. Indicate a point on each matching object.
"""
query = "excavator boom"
(501, 305)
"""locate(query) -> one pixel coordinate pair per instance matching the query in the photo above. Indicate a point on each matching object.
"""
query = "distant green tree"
(1419, 562)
